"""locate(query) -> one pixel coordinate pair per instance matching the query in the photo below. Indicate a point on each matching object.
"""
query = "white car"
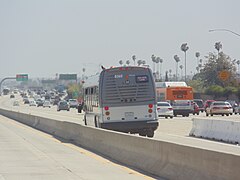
(46, 104)
(73, 103)
(219, 108)
(164, 110)
(32, 103)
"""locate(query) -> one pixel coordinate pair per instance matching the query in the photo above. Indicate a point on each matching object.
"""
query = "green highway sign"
(67, 76)
(22, 77)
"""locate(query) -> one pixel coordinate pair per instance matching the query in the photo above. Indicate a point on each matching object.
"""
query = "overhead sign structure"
(22, 77)
(68, 77)
(224, 75)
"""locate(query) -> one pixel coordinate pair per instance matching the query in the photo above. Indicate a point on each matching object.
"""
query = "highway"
(41, 155)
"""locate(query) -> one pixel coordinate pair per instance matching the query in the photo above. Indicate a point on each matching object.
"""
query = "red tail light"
(170, 109)
(158, 108)
(150, 110)
(150, 105)
(106, 108)
(226, 108)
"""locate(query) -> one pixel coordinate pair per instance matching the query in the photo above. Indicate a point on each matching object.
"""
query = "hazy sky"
(45, 37)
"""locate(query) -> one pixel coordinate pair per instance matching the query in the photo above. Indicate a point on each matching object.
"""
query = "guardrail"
(161, 158)
(221, 130)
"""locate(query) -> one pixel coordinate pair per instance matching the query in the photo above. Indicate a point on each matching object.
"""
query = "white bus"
(124, 99)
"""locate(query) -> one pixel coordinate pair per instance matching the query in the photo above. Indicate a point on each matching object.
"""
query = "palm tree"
(184, 48)
(238, 63)
(177, 59)
(128, 62)
(153, 57)
(134, 59)
(181, 67)
(139, 62)
(161, 61)
(197, 56)
(218, 46)
(121, 62)
(170, 74)
(157, 72)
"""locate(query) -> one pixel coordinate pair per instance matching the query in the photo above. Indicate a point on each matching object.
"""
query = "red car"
(207, 104)
(196, 109)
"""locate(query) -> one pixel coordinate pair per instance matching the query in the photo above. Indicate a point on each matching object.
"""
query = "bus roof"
(170, 84)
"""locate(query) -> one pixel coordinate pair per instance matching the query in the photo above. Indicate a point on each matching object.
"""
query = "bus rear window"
(142, 79)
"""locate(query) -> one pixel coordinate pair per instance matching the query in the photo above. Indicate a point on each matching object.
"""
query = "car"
(32, 103)
(73, 103)
(164, 110)
(207, 104)
(200, 104)
(63, 105)
(12, 96)
(16, 103)
(235, 106)
(196, 109)
(46, 104)
(39, 102)
(26, 101)
(182, 107)
(219, 108)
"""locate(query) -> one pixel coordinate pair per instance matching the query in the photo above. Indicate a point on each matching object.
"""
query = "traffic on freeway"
(176, 126)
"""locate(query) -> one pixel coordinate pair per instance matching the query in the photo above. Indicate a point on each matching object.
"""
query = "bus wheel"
(96, 121)
(85, 120)
(150, 133)
(143, 133)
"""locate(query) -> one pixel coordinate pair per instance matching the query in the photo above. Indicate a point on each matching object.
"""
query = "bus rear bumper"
(131, 126)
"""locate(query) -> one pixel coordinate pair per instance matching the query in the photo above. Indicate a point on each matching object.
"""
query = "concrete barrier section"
(222, 130)
(164, 159)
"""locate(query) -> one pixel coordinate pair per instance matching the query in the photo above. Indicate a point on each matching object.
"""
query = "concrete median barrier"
(164, 159)
(221, 130)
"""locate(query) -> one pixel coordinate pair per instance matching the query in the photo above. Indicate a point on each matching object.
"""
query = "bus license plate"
(129, 115)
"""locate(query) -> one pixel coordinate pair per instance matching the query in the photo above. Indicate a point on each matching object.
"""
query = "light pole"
(213, 30)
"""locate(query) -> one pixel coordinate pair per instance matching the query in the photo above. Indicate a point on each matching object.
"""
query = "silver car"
(164, 110)
(63, 105)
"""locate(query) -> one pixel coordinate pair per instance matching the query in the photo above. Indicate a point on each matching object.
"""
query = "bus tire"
(96, 122)
(85, 120)
(150, 133)
(143, 132)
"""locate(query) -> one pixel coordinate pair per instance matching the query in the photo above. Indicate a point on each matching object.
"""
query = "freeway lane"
(26, 153)
(178, 126)
(174, 130)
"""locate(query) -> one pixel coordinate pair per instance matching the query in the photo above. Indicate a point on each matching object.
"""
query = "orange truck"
(178, 94)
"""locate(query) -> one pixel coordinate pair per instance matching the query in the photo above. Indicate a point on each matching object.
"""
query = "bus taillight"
(150, 111)
(107, 113)
(106, 108)
(150, 106)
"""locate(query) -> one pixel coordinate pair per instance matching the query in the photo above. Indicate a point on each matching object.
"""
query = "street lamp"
(213, 30)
